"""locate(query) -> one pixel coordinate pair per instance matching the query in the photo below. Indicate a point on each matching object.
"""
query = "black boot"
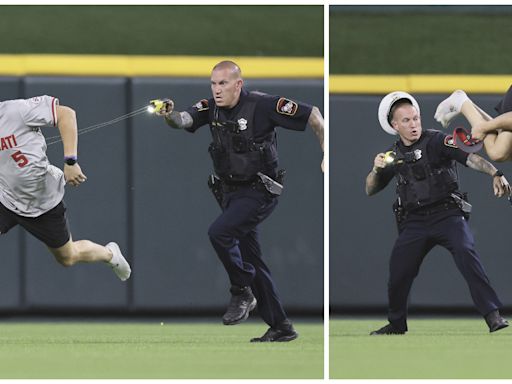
(495, 321)
(387, 330)
(280, 332)
(242, 302)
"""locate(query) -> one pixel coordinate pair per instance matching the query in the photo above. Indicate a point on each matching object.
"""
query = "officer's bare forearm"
(316, 122)
(479, 164)
(374, 183)
(179, 120)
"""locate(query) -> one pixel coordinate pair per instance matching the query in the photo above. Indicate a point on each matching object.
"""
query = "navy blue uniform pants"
(418, 236)
(234, 235)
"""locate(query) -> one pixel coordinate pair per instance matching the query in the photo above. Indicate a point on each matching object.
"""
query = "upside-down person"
(496, 133)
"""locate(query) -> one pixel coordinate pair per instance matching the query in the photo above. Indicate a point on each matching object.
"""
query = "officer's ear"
(394, 124)
(239, 83)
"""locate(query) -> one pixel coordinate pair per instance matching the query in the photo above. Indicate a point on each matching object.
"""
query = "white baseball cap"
(387, 103)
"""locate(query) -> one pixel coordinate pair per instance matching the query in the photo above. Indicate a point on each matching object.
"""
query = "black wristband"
(70, 160)
(498, 173)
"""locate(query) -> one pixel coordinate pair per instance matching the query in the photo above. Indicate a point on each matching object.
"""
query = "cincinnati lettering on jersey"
(7, 142)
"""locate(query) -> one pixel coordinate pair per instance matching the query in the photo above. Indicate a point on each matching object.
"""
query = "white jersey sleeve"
(39, 111)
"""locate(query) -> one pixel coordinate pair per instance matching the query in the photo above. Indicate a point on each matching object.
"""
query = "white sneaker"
(449, 108)
(118, 262)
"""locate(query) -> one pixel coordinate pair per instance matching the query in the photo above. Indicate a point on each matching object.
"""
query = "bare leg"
(473, 114)
(498, 144)
(81, 251)
(490, 138)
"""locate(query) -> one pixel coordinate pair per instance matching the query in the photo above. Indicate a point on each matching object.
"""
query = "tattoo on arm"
(480, 164)
(374, 183)
(179, 120)
(316, 122)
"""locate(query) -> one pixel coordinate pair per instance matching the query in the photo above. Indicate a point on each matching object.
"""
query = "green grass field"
(433, 348)
(175, 350)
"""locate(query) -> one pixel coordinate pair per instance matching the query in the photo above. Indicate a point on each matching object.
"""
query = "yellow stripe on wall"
(382, 84)
(179, 66)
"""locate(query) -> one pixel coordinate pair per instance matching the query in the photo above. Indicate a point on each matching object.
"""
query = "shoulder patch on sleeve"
(286, 106)
(201, 105)
(449, 142)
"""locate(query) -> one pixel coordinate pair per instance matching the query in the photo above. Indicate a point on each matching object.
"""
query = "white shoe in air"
(450, 107)
(118, 262)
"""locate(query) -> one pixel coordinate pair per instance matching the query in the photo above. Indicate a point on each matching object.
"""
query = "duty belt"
(260, 182)
(444, 205)
(232, 186)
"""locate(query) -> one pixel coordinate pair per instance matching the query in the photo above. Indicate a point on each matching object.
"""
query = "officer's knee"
(221, 233)
(215, 231)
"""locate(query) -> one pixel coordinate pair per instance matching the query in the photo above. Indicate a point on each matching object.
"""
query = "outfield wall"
(146, 189)
(362, 228)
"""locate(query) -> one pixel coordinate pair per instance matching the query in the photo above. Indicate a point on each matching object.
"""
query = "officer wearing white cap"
(430, 209)
(386, 106)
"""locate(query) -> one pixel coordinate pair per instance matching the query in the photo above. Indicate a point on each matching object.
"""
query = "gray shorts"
(51, 227)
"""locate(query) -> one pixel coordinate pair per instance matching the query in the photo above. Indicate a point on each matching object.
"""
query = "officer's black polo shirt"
(271, 112)
(439, 148)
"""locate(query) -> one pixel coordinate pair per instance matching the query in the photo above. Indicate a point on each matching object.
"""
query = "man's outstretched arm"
(374, 181)
(175, 119)
(179, 120)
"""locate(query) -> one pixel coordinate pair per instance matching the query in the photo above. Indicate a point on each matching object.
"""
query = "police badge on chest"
(242, 124)
(236, 126)
(413, 156)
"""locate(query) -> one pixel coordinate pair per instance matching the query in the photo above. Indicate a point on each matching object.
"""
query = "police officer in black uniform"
(430, 211)
(246, 184)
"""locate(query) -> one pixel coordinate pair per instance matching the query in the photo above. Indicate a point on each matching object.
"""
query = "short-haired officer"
(430, 208)
(32, 190)
(246, 184)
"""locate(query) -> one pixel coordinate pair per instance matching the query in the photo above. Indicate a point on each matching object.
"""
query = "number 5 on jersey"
(20, 159)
